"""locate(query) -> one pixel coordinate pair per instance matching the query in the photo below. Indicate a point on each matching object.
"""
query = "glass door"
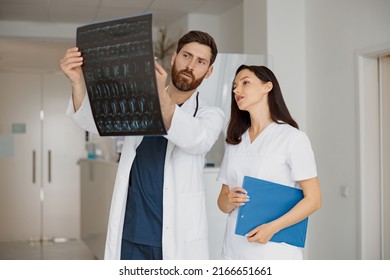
(39, 171)
(20, 168)
(63, 145)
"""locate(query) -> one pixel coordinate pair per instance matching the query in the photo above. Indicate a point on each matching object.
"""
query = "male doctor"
(158, 208)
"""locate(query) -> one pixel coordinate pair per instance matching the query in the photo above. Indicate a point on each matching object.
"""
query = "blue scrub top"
(143, 218)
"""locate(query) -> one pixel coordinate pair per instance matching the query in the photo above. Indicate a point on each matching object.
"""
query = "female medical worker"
(193, 127)
(264, 142)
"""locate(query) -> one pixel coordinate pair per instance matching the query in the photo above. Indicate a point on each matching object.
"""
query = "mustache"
(185, 71)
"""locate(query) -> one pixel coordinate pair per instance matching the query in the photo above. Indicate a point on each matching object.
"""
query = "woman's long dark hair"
(240, 120)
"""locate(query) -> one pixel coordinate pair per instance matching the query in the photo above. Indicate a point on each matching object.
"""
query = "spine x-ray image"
(120, 76)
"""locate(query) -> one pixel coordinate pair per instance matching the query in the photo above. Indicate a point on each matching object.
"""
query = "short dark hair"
(201, 38)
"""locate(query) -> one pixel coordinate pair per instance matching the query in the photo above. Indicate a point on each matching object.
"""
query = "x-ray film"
(120, 76)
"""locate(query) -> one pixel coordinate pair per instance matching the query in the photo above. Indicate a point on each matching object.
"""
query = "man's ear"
(209, 71)
(173, 58)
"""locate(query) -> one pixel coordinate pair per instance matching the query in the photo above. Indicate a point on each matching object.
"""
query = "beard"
(185, 83)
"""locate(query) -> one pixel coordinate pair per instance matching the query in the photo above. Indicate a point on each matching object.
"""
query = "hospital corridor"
(57, 180)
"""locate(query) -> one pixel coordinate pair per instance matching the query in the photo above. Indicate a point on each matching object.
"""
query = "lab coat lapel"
(190, 104)
(190, 107)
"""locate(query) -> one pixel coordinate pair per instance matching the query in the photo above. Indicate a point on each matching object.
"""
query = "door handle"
(33, 166)
(49, 165)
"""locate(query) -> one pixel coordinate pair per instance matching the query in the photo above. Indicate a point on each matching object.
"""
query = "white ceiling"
(82, 11)
(42, 55)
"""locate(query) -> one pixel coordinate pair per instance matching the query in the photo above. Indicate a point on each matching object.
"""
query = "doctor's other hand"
(238, 196)
(261, 234)
(161, 77)
(71, 66)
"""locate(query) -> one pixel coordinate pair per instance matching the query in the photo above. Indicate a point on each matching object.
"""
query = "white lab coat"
(184, 206)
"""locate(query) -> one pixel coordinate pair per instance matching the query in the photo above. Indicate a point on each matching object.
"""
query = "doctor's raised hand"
(70, 64)
(166, 103)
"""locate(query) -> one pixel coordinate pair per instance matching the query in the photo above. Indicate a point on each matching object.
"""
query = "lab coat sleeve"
(196, 135)
(83, 117)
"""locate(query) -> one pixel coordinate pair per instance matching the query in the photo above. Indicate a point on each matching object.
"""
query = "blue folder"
(269, 201)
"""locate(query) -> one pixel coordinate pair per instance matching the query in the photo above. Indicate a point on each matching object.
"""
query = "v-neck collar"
(248, 140)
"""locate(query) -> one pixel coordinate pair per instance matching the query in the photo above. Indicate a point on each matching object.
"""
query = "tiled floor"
(47, 250)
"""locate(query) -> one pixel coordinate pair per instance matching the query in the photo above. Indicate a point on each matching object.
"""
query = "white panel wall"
(38, 30)
(368, 177)
(255, 26)
(286, 49)
(335, 30)
(231, 31)
(385, 63)
(207, 23)
(312, 47)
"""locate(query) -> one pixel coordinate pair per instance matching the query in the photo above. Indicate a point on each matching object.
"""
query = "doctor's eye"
(202, 62)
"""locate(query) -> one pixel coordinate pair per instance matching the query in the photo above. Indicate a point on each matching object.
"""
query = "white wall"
(207, 23)
(312, 46)
(255, 26)
(335, 30)
(385, 64)
(226, 28)
(231, 31)
(24, 29)
(286, 50)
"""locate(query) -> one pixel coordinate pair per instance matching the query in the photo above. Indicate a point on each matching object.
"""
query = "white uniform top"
(280, 154)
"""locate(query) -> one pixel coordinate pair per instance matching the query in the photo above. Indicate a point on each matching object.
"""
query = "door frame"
(370, 240)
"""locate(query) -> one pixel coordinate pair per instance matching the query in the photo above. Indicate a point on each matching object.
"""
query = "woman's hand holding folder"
(231, 199)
